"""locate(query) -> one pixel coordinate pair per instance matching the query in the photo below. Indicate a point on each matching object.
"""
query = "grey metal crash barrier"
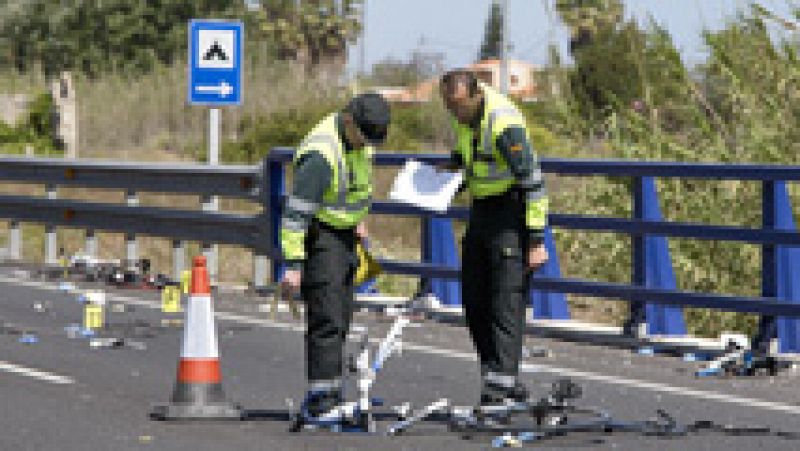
(179, 224)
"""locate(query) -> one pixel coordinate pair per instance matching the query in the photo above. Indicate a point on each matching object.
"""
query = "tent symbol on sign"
(215, 52)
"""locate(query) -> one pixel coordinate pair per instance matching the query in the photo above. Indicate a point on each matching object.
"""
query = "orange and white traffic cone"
(198, 393)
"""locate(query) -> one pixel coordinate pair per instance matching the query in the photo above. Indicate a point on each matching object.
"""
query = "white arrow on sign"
(223, 89)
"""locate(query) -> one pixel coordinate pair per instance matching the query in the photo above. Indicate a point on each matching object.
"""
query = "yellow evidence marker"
(186, 279)
(171, 299)
(92, 316)
(64, 263)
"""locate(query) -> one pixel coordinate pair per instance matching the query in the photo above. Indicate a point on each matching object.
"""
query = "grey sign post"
(215, 79)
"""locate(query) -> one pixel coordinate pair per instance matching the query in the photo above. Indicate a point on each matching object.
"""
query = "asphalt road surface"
(60, 394)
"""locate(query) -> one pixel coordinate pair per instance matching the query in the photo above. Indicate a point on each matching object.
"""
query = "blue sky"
(455, 27)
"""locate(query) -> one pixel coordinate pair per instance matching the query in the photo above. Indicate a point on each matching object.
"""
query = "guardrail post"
(211, 203)
(264, 244)
(637, 315)
(50, 257)
(15, 241)
(91, 243)
(442, 251)
(426, 251)
(132, 200)
(178, 259)
(549, 304)
(788, 273)
(259, 269)
(276, 176)
(767, 327)
(661, 319)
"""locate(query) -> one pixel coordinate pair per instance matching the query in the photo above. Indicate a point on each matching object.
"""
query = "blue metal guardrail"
(652, 293)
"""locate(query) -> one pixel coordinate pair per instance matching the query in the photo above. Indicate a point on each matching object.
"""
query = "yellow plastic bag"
(368, 267)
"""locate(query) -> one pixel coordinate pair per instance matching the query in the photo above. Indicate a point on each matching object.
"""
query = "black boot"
(319, 402)
(494, 394)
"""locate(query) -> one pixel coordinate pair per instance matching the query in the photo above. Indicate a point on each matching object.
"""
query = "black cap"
(371, 114)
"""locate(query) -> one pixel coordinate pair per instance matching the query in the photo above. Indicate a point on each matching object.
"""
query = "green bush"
(40, 116)
(413, 128)
(36, 130)
(259, 134)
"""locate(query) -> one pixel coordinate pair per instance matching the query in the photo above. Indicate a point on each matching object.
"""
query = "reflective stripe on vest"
(292, 224)
(350, 208)
(532, 196)
(534, 181)
(301, 205)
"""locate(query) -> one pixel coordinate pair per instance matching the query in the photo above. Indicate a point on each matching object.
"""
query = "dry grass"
(151, 112)
(12, 82)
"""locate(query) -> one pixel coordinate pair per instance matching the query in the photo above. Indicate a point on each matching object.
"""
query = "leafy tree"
(395, 72)
(586, 18)
(95, 36)
(741, 105)
(491, 48)
(620, 66)
(311, 31)
(753, 83)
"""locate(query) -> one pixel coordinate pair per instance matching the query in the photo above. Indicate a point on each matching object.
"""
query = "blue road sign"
(215, 62)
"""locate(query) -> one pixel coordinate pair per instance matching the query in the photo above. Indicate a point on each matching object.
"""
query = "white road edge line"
(524, 367)
(34, 373)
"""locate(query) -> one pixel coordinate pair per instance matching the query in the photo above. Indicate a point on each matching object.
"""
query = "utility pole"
(363, 58)
(359, 73)
(504, 49)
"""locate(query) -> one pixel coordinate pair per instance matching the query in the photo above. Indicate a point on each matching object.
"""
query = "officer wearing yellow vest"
(322, 220)
(506, 226)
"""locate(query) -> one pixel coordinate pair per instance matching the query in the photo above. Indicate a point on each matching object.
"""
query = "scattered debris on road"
(97, 343)
(42, 306)
(533, 352)
(28, 338)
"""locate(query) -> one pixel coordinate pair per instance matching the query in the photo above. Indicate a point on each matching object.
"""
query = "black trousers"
(495, 280)
(327, 288)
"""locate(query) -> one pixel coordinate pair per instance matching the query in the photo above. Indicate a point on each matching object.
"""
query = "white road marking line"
(525, 367)
(34, 373)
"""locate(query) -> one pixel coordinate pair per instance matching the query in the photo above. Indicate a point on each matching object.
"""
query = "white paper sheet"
(422, 185)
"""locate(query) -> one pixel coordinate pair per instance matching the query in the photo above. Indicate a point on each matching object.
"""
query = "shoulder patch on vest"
(514, 147)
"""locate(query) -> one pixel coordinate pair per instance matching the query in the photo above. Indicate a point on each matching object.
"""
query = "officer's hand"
(361, 230)
(290, 284)
(537, 256)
